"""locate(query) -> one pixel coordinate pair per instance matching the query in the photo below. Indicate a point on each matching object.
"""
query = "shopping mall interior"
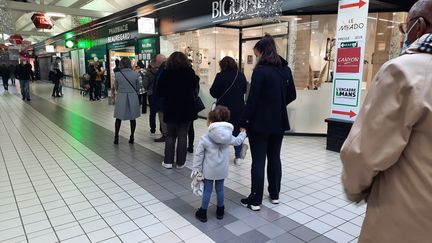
(63, 180)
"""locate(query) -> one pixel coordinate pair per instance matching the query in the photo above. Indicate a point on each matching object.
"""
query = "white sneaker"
(180, 166)
(167, 166)
(238, 161)
(274, 201)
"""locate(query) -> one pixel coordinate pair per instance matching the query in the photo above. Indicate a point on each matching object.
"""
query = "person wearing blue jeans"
(212, 159)
(208, 189)
(24, 73)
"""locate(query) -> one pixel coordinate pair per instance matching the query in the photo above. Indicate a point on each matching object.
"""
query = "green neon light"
(68, 35)
(84, 44)
(70, 44)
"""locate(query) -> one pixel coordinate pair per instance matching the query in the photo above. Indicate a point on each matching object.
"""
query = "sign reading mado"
(350, 44)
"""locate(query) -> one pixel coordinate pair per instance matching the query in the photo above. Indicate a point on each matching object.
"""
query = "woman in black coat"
(177, 85)
(229, 88)
(266, 120)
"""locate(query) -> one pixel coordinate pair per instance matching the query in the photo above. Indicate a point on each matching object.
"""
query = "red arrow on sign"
(360, 4)
(350, 113)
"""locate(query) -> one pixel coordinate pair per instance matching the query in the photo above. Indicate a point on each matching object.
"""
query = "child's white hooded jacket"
(213, 152)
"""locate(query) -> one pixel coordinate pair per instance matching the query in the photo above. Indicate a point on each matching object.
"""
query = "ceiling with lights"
(64, 15)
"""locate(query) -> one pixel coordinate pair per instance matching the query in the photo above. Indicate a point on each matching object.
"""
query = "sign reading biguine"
(350, 44)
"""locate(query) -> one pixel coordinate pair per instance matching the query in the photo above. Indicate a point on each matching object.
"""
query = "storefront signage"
(350, 43)
(348, 60)
(118, 29)
(239, 9)
(119, 37)
(146, 48)
(146, 26)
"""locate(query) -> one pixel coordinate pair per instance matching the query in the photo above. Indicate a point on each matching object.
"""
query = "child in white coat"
(212, 158)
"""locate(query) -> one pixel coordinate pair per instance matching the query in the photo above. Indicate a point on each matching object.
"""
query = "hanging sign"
(16, 39)
(41, 21)
(350, 44)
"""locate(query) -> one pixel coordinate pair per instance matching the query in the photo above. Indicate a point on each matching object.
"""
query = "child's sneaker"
(220, 211)
(201, 215)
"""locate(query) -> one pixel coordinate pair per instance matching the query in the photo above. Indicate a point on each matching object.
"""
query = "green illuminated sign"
(69, 44)
(84, 44)
(85, 20)
(68, 35)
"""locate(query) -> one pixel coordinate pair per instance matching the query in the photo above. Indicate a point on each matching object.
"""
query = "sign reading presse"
(350, 43)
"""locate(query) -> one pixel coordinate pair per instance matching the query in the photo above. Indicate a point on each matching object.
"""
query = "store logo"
(235, 9)
(118, 29)
(348, 60)
(350, 93)
(119, 37)
(351, 25)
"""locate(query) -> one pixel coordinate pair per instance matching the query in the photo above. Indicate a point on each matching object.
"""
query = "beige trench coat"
(387, 158)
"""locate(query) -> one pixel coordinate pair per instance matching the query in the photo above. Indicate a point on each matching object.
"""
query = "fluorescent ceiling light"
(298, 19)
(60, 15)
(5, 36)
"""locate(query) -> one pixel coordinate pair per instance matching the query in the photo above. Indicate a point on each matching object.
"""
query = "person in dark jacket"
(92, 80)
(12, 73)
(149, 79)
(24, 73)
(229, 89)
(177, 85)
(4, 73)
(266, 119)
(158, 101)
(56, 76)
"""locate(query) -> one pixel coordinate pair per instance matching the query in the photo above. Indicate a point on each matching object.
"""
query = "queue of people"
(172, 89)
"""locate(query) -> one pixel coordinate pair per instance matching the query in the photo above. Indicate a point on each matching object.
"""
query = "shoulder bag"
(133, 87)
(226, 91)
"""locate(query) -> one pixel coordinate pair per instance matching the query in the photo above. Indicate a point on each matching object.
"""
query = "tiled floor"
(63, 180)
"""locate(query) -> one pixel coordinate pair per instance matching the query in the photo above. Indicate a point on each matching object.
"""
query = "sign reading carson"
(348, 60)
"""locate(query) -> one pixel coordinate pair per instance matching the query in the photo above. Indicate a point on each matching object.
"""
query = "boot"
(131, 140)
(220, 211)
(160, 140)
(201, 215)
(116, 140)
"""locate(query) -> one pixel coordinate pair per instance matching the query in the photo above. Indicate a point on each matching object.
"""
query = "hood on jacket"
(221, 132)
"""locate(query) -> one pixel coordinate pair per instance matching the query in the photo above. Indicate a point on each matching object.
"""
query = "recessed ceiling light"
(59, 15)
(380, 33)
(298, 19)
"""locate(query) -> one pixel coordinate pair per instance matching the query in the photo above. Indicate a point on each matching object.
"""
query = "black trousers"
(92, 90)
(152, 116)
(191, 135)
(265, 146)
(177, 132)
(143, 98)
(56, 89)
(98, 90)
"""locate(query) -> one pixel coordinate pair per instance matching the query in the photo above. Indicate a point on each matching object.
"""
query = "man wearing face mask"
(387, 157)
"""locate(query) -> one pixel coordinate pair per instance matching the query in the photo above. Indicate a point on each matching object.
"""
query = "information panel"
(350, 44)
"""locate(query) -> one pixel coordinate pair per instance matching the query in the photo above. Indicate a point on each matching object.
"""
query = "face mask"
(405, 42)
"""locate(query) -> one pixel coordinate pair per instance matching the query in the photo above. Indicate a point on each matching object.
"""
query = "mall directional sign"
(348, 71)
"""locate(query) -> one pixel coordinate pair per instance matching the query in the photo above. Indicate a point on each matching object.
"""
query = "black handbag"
(199, 104)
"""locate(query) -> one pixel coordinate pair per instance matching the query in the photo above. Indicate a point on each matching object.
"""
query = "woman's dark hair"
(267, 47)
(228, 64)
(219, 114)
(125, 62)
(177, 60)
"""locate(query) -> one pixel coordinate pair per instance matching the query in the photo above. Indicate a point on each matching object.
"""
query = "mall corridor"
(63, 180)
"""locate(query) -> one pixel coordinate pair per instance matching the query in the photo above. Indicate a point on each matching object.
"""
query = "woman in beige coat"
(387, 157)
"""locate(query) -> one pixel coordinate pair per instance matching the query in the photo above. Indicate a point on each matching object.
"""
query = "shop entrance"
(117, 54)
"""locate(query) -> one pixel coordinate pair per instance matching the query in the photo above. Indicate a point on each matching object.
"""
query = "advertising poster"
(350, 44)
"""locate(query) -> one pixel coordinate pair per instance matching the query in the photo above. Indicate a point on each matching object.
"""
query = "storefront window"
(205, 48)
(311, 57)
(307, 42)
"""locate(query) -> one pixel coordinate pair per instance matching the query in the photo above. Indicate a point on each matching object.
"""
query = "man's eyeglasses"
(403, 27)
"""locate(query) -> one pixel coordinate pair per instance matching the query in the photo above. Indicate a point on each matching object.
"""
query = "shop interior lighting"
(58, 15)
(298, 19)
(68, 35)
